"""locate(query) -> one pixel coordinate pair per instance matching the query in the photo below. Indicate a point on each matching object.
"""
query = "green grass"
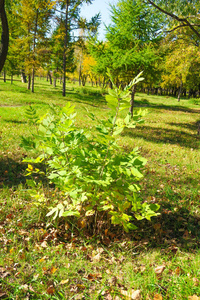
(44, 260)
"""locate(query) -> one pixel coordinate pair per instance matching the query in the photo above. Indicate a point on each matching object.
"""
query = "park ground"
(41, 259)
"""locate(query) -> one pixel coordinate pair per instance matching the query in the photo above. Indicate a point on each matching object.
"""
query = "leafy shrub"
(97, 178)
(195, 101)
(91, 92)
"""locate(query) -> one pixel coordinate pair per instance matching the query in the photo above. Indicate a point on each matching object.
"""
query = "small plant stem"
(104, 162)
(111, 134)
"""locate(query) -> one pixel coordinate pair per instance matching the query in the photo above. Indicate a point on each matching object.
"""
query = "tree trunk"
(65, 48)
(180, 91)
(4, 75)
(34, 45)
(29, 82)
(132, 100)
(54, 82)
(11, 79)
(23, 77)
(33, 80)
(79, 76)
(50, 77)
(4, 35)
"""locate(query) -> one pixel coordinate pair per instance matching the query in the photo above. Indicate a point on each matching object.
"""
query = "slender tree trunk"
(29, 82)
(50, 77)
(4, 35)
(54, 82)
(11, 79)
(4, 75)
(180, 91)
(34, 45)
(132, 100)
(33, 80)
(79, 76)
(23, 77)
(65, 47)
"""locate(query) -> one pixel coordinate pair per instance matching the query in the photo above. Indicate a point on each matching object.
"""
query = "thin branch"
(183, 25)
(172, 15)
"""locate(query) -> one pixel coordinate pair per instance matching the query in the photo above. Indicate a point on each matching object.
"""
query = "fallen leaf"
(100, 250)
(112, 281)
(80, 286)
(159, 270)
(35, 276)
(44, 244)
(64, 281)
(43, 259)
(194, 297)
(131, 295)
(23, 232)
(51, 290)
(4, 275)
(79, 297)
(3, 295)
(97, 257)
(53, 270)
(178, 271)
(196, 281)
(136, 295)
(157, 297)
(24, 287)
(93, 277)
(157, 226)
(82, 223)
(108, 297)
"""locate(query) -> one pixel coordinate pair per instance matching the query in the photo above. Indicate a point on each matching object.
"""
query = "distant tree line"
(160, 38)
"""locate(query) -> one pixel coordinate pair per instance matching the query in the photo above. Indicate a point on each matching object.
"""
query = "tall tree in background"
(35, 16)
(4, 34)
(71, 9)
(132, 42)
(56, 47)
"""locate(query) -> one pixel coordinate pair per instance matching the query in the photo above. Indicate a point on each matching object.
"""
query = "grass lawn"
(41, 259)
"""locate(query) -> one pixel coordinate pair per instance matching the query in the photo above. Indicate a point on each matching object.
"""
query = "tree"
(132, 42)
(35, 17)
(4, 34)
(186, 16)
(181, 70)
(72, 20)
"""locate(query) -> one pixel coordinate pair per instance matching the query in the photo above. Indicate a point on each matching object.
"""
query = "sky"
(101, 6)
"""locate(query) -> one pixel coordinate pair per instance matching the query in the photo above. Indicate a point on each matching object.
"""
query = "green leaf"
(71, 213)
(136, 173)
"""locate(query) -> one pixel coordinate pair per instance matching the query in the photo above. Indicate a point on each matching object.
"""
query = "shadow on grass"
(15, 121)
(11, 172)
(192, 126)
(146, 103)
(170, 230)
(162, 135)
(93, 99)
